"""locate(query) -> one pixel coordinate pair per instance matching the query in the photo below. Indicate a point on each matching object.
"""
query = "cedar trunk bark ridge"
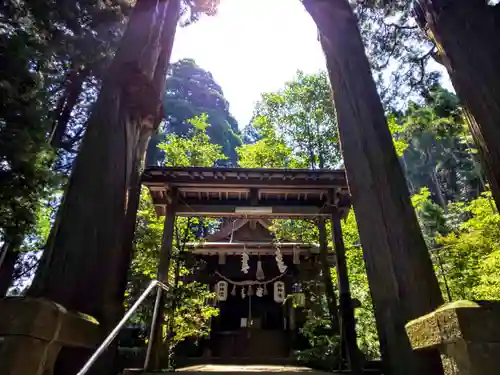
(400, 273)
(86, 260)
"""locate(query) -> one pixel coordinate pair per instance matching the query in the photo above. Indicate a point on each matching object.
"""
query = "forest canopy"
(53, 61)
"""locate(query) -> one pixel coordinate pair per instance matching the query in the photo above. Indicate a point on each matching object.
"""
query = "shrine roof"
(252, 236)
(247, 192)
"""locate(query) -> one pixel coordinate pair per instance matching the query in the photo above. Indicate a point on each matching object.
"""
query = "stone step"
(262, 369)
(238, 361)
(235, 370)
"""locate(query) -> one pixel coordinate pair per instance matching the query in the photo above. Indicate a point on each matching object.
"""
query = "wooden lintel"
(213, 210)
(265, 204)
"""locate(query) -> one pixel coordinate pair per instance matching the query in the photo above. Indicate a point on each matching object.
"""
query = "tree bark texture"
(84, 265)
(7, 266)
(400, 273)
(466, 33)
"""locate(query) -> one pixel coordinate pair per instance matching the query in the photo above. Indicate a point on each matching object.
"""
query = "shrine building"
(256, 281)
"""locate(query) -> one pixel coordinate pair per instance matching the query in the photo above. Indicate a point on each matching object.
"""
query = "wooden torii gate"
(257, 193)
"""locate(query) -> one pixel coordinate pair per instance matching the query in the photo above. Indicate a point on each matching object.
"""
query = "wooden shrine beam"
(238, 211)
(245, 184)
(286, 183)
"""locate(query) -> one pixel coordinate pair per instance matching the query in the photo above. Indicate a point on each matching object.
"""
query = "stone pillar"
(466, 334)
(35, 330)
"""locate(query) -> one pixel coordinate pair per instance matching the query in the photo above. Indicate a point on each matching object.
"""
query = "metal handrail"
(109, 339)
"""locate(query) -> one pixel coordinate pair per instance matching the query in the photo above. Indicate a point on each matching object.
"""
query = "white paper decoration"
(260, 291)
(221, 290)
(279, 291)
(279, 261)
(244, 263)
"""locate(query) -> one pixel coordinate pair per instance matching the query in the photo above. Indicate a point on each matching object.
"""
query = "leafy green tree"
(192, 91)
(401, 56)
(302, 114)
(187, 308)
(437, 154)
(25, 157)
(193, 148)
(291, 148)
(471, 65)
(470, 253)
(270, 151)
(52, 57)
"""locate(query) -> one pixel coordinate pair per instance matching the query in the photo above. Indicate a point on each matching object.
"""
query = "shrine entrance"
(253, 277)
(252, 273)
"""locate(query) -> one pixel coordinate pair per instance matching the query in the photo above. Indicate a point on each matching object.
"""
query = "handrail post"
(154, 327)
(112, 335)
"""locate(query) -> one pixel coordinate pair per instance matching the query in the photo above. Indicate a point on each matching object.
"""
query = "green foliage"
(296, 128)
(432, 138)
(471, 253)
(400, 144)
(187, 309)
(193, 149)
(25, 157)
(303, 119)
(400, 54)
(192, 91)
(325, 347)
(271, 151)
(187, 301)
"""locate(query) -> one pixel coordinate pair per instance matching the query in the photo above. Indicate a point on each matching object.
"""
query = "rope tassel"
(259, 274)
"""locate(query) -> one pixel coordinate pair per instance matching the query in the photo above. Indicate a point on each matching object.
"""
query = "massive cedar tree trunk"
(467, 33)
(86, 259)
(400, 272)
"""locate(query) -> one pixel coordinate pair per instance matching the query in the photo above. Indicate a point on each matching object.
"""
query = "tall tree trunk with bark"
(84, 266)
(399, 268)
(466, 33)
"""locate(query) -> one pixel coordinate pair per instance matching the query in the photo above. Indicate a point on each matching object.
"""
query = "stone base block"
(33, 331)
(467, 335)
